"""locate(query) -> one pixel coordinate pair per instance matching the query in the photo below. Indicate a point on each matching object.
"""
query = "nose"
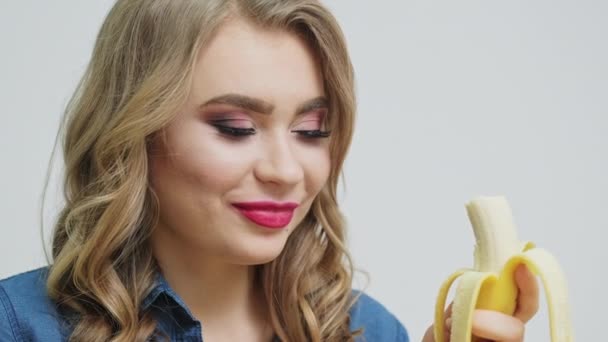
(279, 164)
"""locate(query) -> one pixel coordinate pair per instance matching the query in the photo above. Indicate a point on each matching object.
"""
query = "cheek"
(317, 165)
(197, 166)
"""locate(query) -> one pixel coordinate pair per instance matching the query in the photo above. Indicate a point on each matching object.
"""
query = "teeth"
(490, 284)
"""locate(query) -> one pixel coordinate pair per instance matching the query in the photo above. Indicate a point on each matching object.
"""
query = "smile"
(273, 215)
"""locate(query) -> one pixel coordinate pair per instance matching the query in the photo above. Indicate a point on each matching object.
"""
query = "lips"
(267, 214)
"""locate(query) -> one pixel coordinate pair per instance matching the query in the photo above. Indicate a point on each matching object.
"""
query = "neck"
(219, 294)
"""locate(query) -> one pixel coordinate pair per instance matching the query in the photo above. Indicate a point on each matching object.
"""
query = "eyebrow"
(263, 107)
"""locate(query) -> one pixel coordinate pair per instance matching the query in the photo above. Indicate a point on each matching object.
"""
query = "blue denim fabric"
(27, 314)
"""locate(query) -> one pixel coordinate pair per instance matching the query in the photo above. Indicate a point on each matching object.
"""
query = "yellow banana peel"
(490, 284)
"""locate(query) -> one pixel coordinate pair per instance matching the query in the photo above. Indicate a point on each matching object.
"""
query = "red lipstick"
(267, 213)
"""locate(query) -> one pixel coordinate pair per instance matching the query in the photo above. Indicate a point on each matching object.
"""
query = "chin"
(258, 253)
(251, 259)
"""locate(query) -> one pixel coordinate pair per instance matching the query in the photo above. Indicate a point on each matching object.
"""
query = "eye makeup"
(311, 125)
(234, 131)
(312, 134)
(239, 125)
(232, 124)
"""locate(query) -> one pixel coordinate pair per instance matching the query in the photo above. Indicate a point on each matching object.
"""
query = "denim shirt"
(28, 314)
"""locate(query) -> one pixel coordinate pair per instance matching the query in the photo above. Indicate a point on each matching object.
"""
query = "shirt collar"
(162, 290)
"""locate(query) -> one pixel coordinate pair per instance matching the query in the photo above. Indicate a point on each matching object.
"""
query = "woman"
(203, 148)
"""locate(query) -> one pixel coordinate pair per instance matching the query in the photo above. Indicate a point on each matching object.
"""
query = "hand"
(496, 326)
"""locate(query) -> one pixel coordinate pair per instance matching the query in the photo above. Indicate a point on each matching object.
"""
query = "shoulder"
(26, 311)
(377, 322)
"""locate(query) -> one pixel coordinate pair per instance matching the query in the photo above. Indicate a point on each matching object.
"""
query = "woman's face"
(248, 153)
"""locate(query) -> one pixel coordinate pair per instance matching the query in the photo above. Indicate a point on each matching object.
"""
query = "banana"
(490, 284)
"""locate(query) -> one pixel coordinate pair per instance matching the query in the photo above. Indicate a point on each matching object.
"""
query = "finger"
(448, 311)
(429, 336)
(447, 327)
(497, 326)
(527, 300)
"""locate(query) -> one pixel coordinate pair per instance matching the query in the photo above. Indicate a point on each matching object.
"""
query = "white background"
(457, 99)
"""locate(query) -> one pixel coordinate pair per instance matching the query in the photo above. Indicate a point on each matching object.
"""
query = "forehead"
(277, 66)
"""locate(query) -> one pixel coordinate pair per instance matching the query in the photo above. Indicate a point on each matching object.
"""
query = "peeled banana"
(490, 284)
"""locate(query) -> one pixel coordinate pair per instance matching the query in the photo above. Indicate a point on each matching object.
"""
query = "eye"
(230, 128)
(312, 134)
(311, 126)
(235, 132)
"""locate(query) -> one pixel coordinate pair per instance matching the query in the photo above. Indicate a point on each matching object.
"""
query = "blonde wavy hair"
(138, 78)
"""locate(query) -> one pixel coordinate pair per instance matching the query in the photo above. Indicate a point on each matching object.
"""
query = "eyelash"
(242, 132)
